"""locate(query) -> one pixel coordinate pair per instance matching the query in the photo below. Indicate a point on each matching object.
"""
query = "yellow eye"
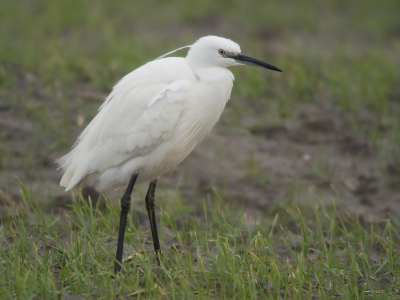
(221, 52)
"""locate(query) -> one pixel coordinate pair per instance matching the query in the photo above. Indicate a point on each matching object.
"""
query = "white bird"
(153, 118)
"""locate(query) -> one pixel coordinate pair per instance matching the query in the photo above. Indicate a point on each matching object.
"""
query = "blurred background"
(325, 129)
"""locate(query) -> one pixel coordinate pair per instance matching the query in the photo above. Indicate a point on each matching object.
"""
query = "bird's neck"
(212, 74)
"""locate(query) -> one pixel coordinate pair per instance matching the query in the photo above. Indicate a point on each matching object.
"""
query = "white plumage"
(155, 116)
(151, 121)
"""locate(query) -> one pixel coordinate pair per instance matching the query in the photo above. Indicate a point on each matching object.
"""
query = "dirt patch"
(317, 158)
(320, 156)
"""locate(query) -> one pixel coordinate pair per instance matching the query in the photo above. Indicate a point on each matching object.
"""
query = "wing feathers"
(116, 134)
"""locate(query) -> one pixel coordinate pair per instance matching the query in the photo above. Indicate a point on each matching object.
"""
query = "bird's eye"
(221, 52)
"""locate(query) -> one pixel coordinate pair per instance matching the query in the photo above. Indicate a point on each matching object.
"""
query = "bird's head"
(214, 51)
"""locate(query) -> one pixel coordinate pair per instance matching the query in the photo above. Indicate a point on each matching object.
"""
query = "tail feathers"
(65, 180)
(73, 174)
(72, 178)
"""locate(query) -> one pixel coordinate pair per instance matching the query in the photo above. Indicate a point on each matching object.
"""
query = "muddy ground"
(314, 157)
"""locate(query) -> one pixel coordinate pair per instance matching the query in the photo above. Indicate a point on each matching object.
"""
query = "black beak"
(243, 59)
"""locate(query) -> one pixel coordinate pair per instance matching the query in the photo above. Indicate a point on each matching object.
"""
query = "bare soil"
(315, 158)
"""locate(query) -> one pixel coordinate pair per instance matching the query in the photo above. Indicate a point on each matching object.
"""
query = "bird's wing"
(154, 125)
(131, 123)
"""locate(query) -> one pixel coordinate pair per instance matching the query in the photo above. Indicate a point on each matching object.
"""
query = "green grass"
(58, 61)
(293, 253)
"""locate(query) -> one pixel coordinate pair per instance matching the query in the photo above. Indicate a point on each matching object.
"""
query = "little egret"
(152, 120)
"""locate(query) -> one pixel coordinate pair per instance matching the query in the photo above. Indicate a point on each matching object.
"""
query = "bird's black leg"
(125, 206)
(152, 217)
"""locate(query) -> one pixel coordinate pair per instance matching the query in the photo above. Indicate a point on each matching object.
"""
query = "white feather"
(152, 120)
